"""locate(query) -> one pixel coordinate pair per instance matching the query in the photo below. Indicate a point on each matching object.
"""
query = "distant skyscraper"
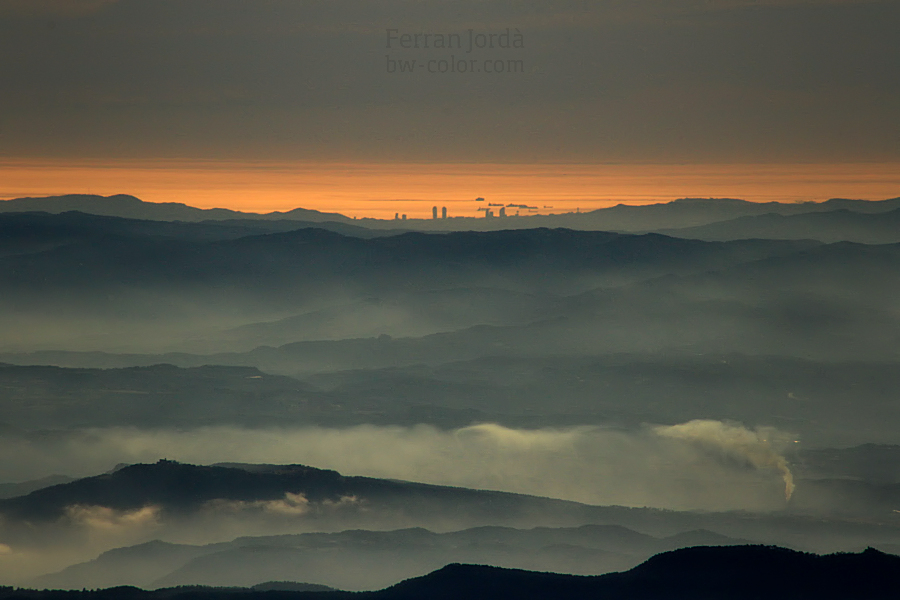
(444, 213)
(503, 212)
(396, 216)
(404, 217)
(434, 212)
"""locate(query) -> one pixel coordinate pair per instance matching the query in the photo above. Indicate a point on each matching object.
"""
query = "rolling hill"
(704, 573)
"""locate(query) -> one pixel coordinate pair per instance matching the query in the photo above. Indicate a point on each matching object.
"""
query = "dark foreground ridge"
(735, 572)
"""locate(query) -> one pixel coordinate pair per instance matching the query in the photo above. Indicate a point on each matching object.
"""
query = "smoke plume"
(755, 447)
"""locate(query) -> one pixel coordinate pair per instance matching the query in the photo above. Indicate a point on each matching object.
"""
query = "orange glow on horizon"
(381, 190)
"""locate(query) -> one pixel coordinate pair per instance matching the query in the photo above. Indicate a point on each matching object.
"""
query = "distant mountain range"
(824, 302)
(12, 490)
(809, 397)
(699, 573)
(682, 213)
(123, 205)
(182, 498)
(184, 321)
(693, 212)
(227, 286)
(82, 254)
(841, 225)
(89, 256)
(366, 559)
(359, 559)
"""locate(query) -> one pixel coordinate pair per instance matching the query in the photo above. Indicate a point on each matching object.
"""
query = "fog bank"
(697, 465)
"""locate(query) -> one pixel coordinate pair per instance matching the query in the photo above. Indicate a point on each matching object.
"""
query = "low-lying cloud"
(697, 465)
(109, 519)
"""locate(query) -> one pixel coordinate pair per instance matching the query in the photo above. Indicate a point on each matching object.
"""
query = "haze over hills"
(30, 232)
(682, 213)
(361, 560)
(810, 398)
(110, 284)
(296, 260)
(827, 302)
(249, 387)
(172, 500)
(12, 490)
(841, 225)
(619, 390)
(694, 212)
(738, 571)
(124, 205)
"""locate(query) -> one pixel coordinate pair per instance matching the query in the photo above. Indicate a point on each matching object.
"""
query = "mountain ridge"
(126, 205)
(678, 213)
(698, 573)
(185, 488)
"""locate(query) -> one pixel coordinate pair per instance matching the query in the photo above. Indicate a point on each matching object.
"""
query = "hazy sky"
(609, 80)
(381, 190)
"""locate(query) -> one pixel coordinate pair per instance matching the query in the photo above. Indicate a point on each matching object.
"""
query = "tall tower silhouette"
(444, 212)
(434, 212)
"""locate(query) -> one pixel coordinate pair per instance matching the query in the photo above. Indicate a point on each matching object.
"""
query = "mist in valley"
(636, 316)
(545, 399)
(697, 465)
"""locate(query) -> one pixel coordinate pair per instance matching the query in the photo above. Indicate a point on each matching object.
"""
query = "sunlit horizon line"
(379, 190)
(612, 202)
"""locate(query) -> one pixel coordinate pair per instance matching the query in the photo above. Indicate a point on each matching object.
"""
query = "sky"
(691, 91)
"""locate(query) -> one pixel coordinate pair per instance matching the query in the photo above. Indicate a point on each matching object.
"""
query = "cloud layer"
(696, 465)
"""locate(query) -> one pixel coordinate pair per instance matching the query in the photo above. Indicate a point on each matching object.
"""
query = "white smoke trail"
(756, 447)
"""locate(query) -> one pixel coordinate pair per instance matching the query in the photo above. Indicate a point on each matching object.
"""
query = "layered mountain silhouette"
(696, 573)
(124, 205)
(79, 251)
(13, 490)
(842, 225)
(694, 212)
(156, 320)
(812, 397)
(359, 559)
(682, 213)
(557, 291)
(294, 495)
(313, 284)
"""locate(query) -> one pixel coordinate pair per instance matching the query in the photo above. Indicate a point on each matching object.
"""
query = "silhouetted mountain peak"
(124, 205)
(177, 487)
